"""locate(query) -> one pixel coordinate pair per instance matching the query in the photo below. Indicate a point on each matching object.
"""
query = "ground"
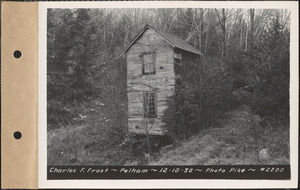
(239, 139)
(90, 141)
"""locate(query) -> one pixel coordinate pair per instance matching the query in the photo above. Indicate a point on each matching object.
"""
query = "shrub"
(203, 95)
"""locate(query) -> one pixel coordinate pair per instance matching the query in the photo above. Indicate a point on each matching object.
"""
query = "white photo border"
(169, 183)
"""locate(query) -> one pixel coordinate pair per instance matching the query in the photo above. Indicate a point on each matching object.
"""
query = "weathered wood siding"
(163, 82)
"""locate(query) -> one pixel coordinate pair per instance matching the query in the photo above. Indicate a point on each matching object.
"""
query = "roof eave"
(139, 34)
(193, 52)
(161, 36)
(149, 27)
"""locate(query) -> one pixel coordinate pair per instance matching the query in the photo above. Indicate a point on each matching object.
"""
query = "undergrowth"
(237, 141)
(237, 138)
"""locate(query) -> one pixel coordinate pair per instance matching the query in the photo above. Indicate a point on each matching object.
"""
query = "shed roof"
(171, 39)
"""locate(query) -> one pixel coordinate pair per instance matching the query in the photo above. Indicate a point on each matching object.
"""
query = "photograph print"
(168, 87)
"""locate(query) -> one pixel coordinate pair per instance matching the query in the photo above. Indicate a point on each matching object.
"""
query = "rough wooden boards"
(135, 103)
(163, 82)
(19, 95)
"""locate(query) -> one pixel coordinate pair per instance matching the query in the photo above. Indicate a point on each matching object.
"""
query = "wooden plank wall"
(163, 82)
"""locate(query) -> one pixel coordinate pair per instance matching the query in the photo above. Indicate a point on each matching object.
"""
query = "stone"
(264, 155)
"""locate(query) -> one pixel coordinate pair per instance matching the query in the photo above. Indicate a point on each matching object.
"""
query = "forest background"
(245, 62)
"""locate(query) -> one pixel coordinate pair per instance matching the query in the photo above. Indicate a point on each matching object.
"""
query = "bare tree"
(251, 35)
(166, 18)
(222, 21)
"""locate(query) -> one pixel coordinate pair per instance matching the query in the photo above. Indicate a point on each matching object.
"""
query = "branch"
(110, 64)
(286, 20)
(95, 66)
(229, 14)
(220, 19)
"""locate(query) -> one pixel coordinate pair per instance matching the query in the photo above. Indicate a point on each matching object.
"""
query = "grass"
(90, 143)
(238, 141)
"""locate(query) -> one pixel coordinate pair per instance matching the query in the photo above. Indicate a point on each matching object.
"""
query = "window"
(148, 63)
(149, 105)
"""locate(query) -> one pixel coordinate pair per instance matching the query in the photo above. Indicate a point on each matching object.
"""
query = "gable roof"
(172, 40)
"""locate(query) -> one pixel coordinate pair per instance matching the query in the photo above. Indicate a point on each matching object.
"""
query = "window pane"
(148, 63)
(151, 68)
(148, 58)
(149, 105)
(146, 68)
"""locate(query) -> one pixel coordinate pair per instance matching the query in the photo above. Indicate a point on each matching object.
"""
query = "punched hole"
(17, 54)
(17, 135)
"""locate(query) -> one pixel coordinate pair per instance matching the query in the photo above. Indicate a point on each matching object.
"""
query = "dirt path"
(235, 142)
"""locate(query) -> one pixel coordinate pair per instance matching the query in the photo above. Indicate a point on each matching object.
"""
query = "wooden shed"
(152, 57)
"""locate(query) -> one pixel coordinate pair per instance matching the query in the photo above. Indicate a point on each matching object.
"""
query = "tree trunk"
(207, 34)
(223, 25)
(148, 139)
(201, 29)
(251, 34)
(246, 41)
(241, 38)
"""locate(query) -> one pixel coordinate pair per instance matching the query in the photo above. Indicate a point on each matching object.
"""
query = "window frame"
(153, 63)
(145, 102)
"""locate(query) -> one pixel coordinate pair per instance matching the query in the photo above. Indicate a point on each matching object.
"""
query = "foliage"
(203, 95)
(266, 69)
(70, 51)
(83, 74)
(258, 77)
(85, 145)
(238, 141)
(272, 94)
